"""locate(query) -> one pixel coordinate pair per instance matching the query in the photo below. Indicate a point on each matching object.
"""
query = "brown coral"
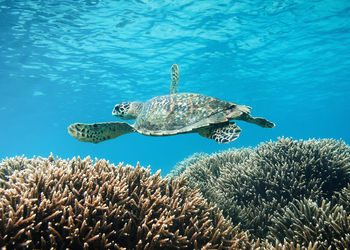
(80, 205)
(9, 165)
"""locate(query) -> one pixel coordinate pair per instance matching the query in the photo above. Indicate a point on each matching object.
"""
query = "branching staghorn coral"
(251, 189)
(304, 222)
(78, 204)
(9, 165)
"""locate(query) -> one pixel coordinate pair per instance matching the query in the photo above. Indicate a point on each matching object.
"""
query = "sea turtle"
(172, 114)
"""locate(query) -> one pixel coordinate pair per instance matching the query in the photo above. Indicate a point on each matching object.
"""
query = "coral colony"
(281, 195)
(279, 184)
(79, 204)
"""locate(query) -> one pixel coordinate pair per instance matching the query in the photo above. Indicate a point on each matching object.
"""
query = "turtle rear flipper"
(262, 122)
(99, 132)
(221, 133)
(175, 76)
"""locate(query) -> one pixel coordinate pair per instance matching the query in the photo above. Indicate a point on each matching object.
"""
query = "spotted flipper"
(221, 133)
(262, 122)
(175, 76)
(99, 132)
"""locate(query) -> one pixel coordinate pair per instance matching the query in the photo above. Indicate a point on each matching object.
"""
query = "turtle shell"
(180, 113)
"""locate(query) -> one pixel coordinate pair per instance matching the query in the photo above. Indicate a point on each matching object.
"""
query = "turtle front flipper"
(221, 133)
(175, 76)
(99, 132)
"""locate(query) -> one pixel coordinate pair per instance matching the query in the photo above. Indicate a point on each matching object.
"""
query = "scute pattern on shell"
(179, 113)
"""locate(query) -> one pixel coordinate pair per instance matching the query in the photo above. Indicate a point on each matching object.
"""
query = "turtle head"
(127, 110)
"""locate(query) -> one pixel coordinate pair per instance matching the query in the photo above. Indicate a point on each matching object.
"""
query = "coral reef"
(181, 166)
(288, 194)
(9, 165)
(204, 172)
(287, 246)
(254, 186)
(304, 222)
(343, 198)
(81, 204)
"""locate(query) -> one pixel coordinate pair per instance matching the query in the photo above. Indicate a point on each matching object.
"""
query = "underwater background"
(63, 62)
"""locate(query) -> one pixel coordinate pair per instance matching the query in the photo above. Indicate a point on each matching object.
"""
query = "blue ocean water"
(71, 61)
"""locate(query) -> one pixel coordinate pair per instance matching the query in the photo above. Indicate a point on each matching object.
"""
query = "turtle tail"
(242, 112)
(236, 112)
(243, 108)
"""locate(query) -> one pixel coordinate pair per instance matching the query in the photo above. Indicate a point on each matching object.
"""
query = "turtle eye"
(117, 109)
(121, 109)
